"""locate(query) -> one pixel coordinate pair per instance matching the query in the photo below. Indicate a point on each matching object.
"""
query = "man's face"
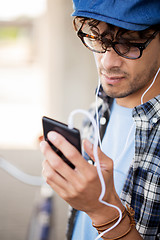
(123, 78)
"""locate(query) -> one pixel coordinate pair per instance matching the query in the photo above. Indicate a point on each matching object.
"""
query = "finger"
(69, 151)
(66, 190)
(88, 147)
(56, 162)
(53, 178)
(106, 163)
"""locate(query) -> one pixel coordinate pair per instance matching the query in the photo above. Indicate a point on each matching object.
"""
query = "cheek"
(143, 65)
(151, 55)
(145, 68)
(137, 68)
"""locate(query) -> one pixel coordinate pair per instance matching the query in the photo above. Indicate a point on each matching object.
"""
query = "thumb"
(106, 163)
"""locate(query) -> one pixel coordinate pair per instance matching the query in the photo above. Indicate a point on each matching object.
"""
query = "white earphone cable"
(150, 85)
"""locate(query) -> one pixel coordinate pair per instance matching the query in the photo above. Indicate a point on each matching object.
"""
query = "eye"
(91, 30)
(122, 48)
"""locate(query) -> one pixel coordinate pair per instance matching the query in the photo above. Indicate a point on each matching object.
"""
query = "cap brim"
(113, 21)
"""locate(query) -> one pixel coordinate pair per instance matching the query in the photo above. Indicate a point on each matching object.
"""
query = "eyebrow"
(118, 35)
(128, 35)
(138, 36)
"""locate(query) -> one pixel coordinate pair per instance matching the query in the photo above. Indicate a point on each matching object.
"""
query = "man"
(125, 39)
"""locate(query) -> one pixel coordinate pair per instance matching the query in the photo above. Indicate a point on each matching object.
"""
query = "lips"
(112, 79)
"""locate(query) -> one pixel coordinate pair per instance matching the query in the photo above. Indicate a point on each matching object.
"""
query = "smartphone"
(71, 135)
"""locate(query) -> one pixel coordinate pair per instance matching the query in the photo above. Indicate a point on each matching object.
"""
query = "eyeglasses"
(100, 44)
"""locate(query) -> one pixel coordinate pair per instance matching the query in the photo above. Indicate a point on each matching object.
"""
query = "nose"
(110, 59)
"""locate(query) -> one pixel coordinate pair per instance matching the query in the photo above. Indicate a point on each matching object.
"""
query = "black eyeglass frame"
(140, 46)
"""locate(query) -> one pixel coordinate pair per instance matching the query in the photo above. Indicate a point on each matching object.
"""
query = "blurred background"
(44, 70)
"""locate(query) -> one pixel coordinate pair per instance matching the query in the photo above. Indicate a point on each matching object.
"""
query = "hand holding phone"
(71, 135)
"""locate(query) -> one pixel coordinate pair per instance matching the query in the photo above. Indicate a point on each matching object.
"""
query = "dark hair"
(110, 30)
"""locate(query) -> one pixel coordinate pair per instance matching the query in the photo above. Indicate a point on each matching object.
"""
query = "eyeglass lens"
(101, 45)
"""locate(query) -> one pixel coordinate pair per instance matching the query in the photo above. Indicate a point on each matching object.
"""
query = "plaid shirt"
(142, 187)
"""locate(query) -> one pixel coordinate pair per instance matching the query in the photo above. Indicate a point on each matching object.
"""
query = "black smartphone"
(71, 135)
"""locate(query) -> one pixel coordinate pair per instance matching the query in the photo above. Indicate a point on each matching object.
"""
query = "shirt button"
(158, 235)
(102, 120)
(90, 162)
(154, 120)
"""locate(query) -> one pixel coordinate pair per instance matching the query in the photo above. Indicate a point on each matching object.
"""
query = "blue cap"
(133, 15)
